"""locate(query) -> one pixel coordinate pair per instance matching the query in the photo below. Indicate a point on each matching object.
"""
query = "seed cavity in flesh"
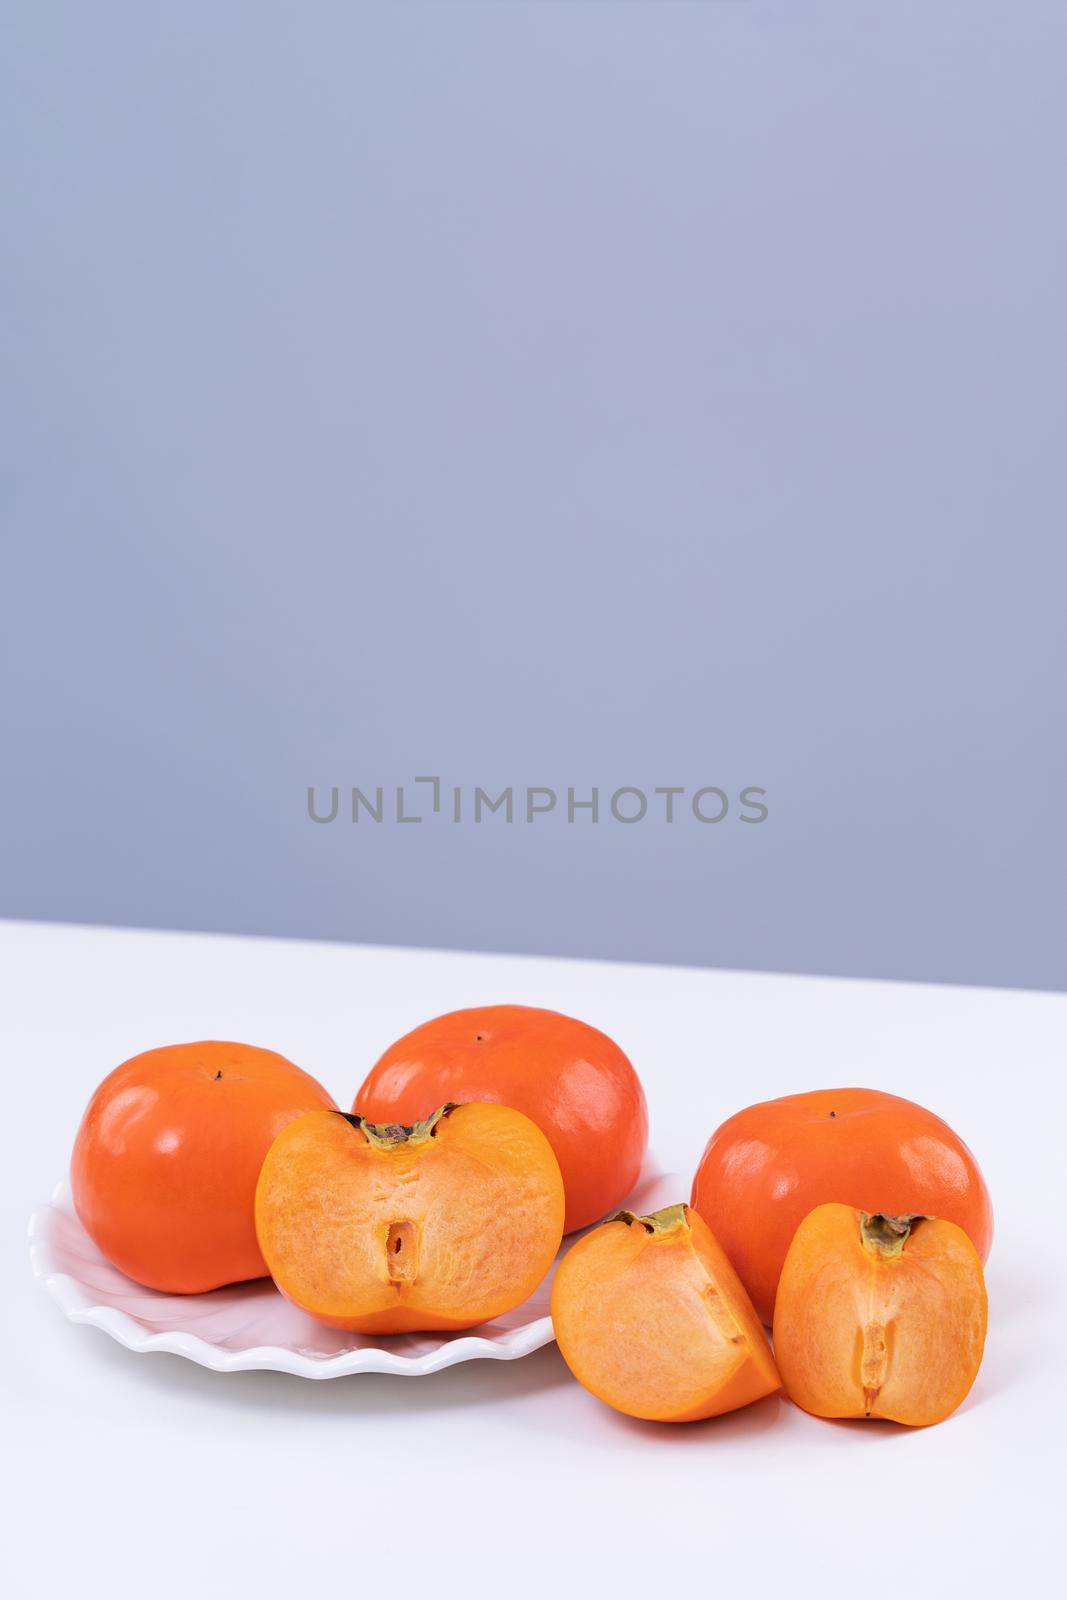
(873, 1364)
(402, 1252)
(722, 1316)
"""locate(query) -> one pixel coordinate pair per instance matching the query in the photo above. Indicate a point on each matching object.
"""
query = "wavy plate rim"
(78, 1306)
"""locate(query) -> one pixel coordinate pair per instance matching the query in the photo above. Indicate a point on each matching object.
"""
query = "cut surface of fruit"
(879, 1316)
(652, 1319)
(438, 1225)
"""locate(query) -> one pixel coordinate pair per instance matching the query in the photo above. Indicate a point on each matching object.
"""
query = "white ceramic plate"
(252, 1326)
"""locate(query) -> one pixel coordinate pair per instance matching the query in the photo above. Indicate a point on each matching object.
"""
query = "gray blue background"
(540, 393)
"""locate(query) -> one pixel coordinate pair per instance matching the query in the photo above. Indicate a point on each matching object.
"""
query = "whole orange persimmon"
(766, 1168)
(569, 1078)
(167, 1157)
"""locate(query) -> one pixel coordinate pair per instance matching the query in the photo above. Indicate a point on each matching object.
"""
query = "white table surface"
(131, 1475)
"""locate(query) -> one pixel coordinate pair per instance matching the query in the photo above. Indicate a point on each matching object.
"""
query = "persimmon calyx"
(664, 1221)
(389, 1135)
(886, 1236)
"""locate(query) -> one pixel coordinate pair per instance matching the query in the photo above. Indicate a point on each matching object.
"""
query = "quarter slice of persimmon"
(879, 1316)
(651, 1317)
(396, 1229)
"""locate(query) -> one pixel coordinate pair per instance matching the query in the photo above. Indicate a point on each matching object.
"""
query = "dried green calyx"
(664, 1221)
(886, 1236)
(389, 1135)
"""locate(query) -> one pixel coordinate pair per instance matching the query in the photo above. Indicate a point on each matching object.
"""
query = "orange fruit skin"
(167, 1156)
(858, 1333)
(441, 1232)
(767, 1167)
(658, 1325)
(570, 1078)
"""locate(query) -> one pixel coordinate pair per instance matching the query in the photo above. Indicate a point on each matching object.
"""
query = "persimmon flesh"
(652, 1319)
(879, 1316)
(439, 1225)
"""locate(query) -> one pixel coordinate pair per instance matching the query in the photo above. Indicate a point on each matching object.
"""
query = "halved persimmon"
(651, 1317)
(395, 1229)
(879, 1316)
